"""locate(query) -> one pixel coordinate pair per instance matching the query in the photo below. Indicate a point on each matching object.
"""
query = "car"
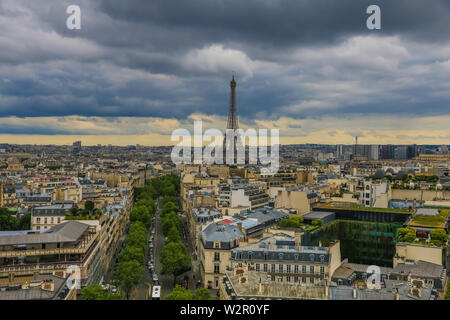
(155, 277)
(113, 289)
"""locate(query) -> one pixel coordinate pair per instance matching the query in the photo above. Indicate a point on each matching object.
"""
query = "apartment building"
(26, 253)
(45, 217)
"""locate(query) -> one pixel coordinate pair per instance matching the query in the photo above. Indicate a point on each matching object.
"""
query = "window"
(51, 220)
(216, 281)
(367, 202)
(273, 268)
(59, 219)
(38, 220)
(322, 258)
(257, 267)
(322, 270)
(311, 269)
(303, 269)
(296, 269)
(216, 256)
(303, 280)
(216, 268)
(265, 267)
(38, 227)
(288, 279)
(311, 280)
(288, 268)
(296, 256)
(280, 268)
(217, 244)
(295, 279)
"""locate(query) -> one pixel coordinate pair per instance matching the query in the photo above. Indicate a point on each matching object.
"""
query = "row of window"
(287, 268)
(38, 220)
(249, 255)
(296, 279)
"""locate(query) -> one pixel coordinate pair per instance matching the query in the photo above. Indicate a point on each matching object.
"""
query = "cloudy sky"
(139, 69)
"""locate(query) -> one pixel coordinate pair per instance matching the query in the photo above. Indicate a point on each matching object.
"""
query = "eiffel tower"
(233, 124)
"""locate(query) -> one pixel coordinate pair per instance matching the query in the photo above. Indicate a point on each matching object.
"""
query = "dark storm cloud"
(172, 58)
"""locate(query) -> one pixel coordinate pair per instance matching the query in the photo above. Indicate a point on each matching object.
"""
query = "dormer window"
(311, 257)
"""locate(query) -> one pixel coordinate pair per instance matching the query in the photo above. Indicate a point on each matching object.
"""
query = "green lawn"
(431, 221)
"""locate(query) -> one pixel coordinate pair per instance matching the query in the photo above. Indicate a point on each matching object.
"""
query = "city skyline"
(135, 73)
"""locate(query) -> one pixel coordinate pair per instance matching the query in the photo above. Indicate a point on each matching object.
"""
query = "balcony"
(82, 248)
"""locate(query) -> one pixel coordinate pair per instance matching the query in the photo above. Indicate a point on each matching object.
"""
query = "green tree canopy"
(132, 253)
(175, 259)
(129, 274)
(180, 293)
(89, 205)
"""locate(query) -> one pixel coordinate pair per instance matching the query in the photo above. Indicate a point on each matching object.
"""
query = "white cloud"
(215, 58)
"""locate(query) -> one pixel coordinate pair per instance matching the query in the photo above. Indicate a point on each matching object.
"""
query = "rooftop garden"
(437, 237)
(296, 222)
(357, 207)
(437, 221)
(88, 213)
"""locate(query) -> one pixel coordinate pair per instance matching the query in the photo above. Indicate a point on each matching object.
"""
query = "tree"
(96, 292)
(292, 222)
(439, 235)
(175, 259)
(180, 293)
(89, 205)
(173, 234)
(141, 213)
(129, 274)
(407, 234)
(316, 222)
(169, 220)
(168, 207)
(7, 221)
(25, 222)
(137, 236)
(93, 292)
(202, 294)
(132, 253)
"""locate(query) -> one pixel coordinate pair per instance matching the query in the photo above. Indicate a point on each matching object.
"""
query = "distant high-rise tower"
(76, 147)
(232, 114)
(233, 123)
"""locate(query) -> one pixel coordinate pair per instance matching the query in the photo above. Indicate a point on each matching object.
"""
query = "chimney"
(354, 293)
(298, 239)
